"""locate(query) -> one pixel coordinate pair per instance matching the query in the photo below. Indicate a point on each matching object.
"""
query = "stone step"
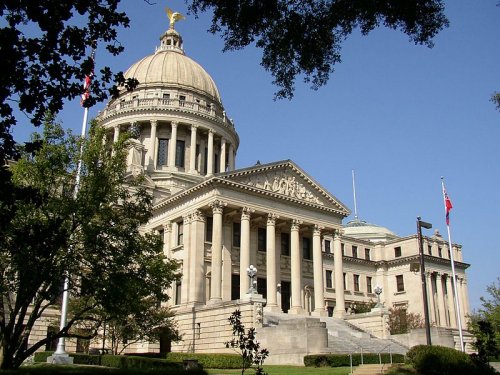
(371, 369)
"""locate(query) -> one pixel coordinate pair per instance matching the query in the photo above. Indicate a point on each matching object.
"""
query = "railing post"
(361, 355)
(350, 360)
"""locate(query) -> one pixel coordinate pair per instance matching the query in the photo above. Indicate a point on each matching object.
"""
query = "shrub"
(339, 360)
(215, 360)
(42, 356)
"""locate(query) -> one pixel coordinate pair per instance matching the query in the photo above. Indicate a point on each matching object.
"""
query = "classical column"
(319, 297)
(451, 302)
(172, 147)
(465, 297)
(196, 258)
(296, 268)
(272, 282)
(231, 157)
(244, 250)
(227, 247)
(210, 152)
(167, 235)
(440, 301)
(339, 275)
(216, 282)
(277, 247)
(116, 133)
(222, 166)
(186, 262)
(152, 152)
(430, 296)
(192, 150)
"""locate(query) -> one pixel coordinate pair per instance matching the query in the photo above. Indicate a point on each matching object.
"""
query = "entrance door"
(285, 295)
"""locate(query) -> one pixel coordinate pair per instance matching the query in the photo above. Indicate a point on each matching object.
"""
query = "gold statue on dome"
(173, 17)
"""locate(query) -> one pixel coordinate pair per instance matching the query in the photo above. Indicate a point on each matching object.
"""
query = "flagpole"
(454, 279)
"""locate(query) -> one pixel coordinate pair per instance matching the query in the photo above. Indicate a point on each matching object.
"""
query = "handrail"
(380, 355)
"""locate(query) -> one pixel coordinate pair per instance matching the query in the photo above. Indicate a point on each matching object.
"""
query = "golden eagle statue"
(173, 17)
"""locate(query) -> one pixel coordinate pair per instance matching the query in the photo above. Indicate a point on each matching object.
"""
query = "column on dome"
(339, 275)
(152, 151)
(245, 250)
(231, 157)
(173, 145)
(201, 156)
(192, 150)
(451, 301)
(442, 321)
(296, 268)
(319, 297)
(222, 167)
(430, 296)
(210, 153)
(186, 261)
(167, 235)
(216, 281)
(271, 260)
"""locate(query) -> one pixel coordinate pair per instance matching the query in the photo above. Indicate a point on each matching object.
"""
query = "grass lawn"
(287, 370)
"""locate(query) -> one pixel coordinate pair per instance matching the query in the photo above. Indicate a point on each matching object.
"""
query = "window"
(285, 244)
(205, 161)
(161, 158)
(182, 100)
(197, 158)
(209, 228)
(440, 252)
(329, 278)
(400, 284)
(82, 344)
(354, 251)
(345, 281)
(449, 254)
(369, 284)
(343, 249)
(262, 287)
(216, 163)
(51, 345)
(236, 234)
(166, 96)
(429, 249)
(180, 233)
(178, 288)
(261, 239)
(367, 254)
(356, 282)
(328, 247)
(179, 153)
(161, 234)
(397, 251)
(306, 248)
(235, 287)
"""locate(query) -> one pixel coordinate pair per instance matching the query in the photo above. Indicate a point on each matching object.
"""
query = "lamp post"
(378, 292)
(251, 272)
(422, 224)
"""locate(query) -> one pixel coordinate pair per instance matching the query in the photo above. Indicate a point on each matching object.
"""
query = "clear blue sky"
(400, 115)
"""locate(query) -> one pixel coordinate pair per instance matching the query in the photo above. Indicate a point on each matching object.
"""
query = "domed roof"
(169, 66)
(362, 230)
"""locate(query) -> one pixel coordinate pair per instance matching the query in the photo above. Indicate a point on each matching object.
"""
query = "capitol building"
(315, 271)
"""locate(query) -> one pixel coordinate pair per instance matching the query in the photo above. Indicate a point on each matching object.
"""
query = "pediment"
(286, 180)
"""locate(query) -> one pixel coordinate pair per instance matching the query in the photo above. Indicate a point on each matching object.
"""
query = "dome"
(169, 66)
(362, 230)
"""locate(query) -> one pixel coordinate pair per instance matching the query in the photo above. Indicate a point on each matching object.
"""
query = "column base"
(214, 301)
(339, 314)
(319, 312)
(296, 311)
(274, 308)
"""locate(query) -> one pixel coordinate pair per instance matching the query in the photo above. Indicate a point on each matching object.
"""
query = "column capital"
(174, 124)
(317, 229)
(211, 131)
(186, 219)
(337, 233)
(167, 227)
(246, 212)
(296, 224)
(153, 122)
(217, 206)
(194, 127)
(197, 215)
(271, 218)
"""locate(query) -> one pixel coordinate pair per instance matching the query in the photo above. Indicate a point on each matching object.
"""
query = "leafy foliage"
(47, 233)
(339, 360)
(401, 321)
(495, 98)
(305, 37)
(208, 360)
(246, 342)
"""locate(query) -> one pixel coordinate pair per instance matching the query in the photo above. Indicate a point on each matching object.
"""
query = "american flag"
(447, 205)
(88, 81)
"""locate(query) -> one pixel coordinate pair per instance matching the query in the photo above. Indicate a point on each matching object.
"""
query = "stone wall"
(374, 322)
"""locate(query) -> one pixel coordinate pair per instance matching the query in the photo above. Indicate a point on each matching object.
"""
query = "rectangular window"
(51, 345)
(178, 288)
(161, 158)
(397, 251)
(216, 163)
(367, 254)
(261, 239)
(440, 252)
(262, 287)
(355, 279)
(306, 248)
(429, 249)
(197, 158)
(165, 96)
(182, 100)
(179, 153)
(235, 287)
(329, 278)
(180, 233)
(369, 284)
(285, 244)
(354, 251)
(205, 162)
(449, 254)
(209, 228)
(400, 284)
(236, 234)
(328, 247)
(345, 281)
(343, 249)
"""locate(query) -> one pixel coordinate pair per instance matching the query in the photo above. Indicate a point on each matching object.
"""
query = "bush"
(215, 360)
(339, 360)
(441, 360)
(42, 356)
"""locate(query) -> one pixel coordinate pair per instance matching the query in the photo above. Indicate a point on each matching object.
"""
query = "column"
(227, 246)
(319, 297)
(277, 247)
(245, 250)
(231, 157)
(152, 151)
(116, 133)
(172, 146)
(296, 268)
(430, 296)
(167, 235)
(186, 262)
(272, 282)
(216, 282)
(440, 301)
(465, 298)
(339, 275)
(210, 152)
(192, 150)
(451, 301)
(196, 232)
(222, 166)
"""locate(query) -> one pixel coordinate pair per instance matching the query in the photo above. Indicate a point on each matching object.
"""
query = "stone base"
(319, 312)
(296, 311)
(274, 308)
(60, 359)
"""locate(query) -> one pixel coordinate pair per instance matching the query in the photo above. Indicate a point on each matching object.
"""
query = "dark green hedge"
(78, 358)
(338, 360)
(440, 360)
(208, 360)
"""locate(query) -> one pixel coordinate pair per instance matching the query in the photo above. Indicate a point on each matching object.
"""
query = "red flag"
(448, 206)
(88, 81)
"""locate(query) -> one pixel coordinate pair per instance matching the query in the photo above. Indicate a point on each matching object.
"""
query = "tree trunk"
(6, 358)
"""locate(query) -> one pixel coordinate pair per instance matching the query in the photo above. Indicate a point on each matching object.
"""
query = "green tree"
(304, 37)
(495, 98)
(401, 321)
(485, 324)
(47, 233)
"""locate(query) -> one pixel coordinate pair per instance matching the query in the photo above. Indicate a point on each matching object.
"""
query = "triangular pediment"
(286, 180)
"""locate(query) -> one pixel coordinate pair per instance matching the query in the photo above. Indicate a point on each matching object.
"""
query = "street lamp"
(422, 224)
(378, 292)
(251, 272)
